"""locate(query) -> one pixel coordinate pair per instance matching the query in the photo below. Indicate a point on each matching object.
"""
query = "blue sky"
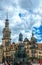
(24, 16)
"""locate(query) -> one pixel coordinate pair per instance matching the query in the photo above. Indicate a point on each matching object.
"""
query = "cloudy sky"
(25, 16)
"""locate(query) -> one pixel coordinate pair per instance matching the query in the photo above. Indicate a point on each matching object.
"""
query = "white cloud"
(37, 24)
(29, 34)
(38, 31)
(9, 8)
(0, 43)
(40, 41)
(14, 38)
(37, 36)
(29, 19)
(28, 4)
(1, 23)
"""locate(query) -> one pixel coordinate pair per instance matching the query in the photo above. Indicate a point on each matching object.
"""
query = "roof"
(26, 40)
(40, 45)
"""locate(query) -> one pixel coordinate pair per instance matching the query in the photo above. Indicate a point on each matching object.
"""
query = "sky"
(25, 16)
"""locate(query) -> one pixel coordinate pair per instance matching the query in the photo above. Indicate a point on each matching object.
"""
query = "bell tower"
(6, 40)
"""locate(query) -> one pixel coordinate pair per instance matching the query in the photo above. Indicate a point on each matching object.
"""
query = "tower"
(6, 40)
(20, 37)
(33, 39)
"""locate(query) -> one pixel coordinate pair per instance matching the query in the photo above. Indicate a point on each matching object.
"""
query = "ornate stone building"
(8, 49)
(6, 40)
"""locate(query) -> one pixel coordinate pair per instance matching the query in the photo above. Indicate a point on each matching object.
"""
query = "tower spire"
(6, 32)
(32, 34)
(7, 20)
(20, 37)
(6, 16)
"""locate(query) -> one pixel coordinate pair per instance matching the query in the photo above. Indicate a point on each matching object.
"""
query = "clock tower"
(6, 40)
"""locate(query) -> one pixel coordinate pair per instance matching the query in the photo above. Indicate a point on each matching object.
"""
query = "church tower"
(6, 40)
(20, 37)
